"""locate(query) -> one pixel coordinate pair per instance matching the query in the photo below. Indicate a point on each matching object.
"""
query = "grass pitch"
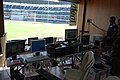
(25, 29)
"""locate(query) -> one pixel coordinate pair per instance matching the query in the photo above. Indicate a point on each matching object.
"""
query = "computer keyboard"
(47, 75)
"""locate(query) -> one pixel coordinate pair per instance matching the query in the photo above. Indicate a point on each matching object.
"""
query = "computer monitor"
(71, 34)
(14, 48)
(49, 40)
(32, 38)
(38, 45)
(85, 39)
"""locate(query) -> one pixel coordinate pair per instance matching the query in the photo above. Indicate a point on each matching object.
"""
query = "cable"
(98, 27)
(90, 21)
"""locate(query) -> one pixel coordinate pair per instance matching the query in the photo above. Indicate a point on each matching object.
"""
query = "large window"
(36, 18)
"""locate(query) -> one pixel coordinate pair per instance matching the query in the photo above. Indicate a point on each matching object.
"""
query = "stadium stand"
(42, 11)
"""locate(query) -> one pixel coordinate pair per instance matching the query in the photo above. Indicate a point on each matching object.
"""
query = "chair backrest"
(112, 78)
(87, 62)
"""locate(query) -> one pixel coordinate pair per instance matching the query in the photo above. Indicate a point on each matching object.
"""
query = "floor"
(5, 73)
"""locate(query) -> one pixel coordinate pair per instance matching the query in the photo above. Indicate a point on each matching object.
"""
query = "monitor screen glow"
(38, 45)
(71, 34)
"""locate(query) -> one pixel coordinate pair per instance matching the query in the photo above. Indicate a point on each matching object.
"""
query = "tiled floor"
(5, 73)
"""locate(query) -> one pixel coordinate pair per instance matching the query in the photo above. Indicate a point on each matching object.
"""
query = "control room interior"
(80, 55)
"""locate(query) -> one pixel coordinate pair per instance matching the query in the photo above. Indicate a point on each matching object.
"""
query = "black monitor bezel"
(31, 38)
(67, 31)
(49, 40)
(13, 43)
(32, 42)
(85, 39)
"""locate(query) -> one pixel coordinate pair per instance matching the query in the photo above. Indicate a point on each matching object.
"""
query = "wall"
(1, 19)
(99, 11)
(1, 26)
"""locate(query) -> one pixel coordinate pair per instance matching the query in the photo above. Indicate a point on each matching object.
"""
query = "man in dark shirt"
(112, 27)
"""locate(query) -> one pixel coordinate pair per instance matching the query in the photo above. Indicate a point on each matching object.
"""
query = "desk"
(57, 71)
(13, 66)
(27, 58)
(54, 73)
(74, 57)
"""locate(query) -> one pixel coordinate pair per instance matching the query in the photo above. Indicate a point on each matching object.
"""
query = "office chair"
(112, 78)
(82, 72)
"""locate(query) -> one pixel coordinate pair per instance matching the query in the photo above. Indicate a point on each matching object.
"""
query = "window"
(37, 18)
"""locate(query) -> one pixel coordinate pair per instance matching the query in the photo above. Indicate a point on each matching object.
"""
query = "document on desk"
(36, 58)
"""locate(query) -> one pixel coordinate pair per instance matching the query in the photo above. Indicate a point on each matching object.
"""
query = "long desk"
(53, 73)
(29, 58)
(26, 59)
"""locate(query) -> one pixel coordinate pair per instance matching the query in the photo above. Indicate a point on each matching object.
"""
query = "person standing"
(112, 29)
(118, 33)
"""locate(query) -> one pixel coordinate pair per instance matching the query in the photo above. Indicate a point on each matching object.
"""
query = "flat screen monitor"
(32, 38)
(49, 40)
(38, 45)
(14, 47)
(71, 34)
(85, 39)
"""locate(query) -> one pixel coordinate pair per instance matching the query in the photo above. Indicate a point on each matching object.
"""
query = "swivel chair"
(112, 78)
(82, 72)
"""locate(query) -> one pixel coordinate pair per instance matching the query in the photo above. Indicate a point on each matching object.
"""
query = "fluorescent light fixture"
(53, 0)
